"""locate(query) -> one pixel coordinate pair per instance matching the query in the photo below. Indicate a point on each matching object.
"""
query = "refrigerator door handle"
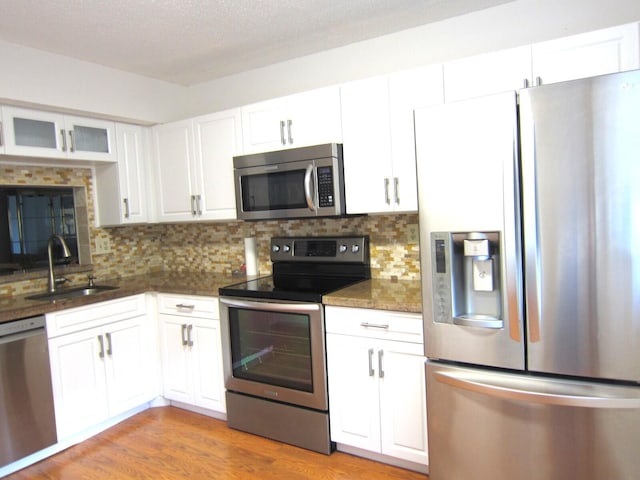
(564, 393)
(530, 220)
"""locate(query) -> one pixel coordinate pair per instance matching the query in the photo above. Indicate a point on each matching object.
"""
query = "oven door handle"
(277, 307)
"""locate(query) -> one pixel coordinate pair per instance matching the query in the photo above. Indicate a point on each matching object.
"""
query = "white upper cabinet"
(217, 138)
(605, 51)
(304, 119)
(487, 74)
(378, 137)
(121, 188)
(586, 55)
(133, 176)
(52, 135)
(409, 90)
(174, 162)
(194, 167)
(30, 132)
(366, 135)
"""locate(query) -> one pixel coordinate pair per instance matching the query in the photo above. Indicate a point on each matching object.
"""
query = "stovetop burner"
(306, 268)
(311, 290)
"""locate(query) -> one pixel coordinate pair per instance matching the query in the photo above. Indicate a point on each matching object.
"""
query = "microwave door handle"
(308, 193)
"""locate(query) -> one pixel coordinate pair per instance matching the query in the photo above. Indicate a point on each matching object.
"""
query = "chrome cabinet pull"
(184, 306)
(371, 372)
(184, 334)
(109, 349)
(384, 326)
(193, 205)
(380, 369)
(396, 189)
(387, 198)
(199, 204)
(1, 137)
(282, 139)
(101, 341)
(289, 126)
(525, 83)
(64, 140)
(538, 81)
(126, 207)
(72, 142)
(189, 339)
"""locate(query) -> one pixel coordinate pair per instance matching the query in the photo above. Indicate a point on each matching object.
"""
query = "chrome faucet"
(65, 254)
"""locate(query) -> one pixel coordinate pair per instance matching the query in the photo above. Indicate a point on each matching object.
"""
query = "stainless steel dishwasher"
(27, 417)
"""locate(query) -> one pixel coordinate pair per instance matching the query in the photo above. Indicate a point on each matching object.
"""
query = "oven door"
(275, 350)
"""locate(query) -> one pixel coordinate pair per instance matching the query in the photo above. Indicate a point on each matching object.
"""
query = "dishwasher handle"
(22, 328)
(21, 335)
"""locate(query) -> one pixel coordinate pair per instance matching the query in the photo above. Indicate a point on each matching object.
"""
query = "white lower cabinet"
(101, 371)
(192, 351)
(377, 391)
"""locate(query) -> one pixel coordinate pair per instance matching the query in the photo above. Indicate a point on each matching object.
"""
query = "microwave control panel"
(326, 196)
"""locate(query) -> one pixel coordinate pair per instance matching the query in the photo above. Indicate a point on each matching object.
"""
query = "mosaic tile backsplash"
(211, 247)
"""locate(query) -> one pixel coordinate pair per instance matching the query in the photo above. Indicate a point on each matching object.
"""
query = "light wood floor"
(169, 443)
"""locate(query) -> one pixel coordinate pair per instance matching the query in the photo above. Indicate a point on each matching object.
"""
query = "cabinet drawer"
(388, 325)
(188, 305)
(82, 318)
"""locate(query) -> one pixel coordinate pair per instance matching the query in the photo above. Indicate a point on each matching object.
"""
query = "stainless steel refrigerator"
(529, 208)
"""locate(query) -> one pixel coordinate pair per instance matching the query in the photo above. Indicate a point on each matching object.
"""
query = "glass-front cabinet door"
(34, 133)
(90, 139)
(52, 135)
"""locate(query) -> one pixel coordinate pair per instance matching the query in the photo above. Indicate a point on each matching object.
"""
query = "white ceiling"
(192, 41)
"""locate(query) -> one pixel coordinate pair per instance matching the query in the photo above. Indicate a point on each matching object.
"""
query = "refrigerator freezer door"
(467, 161)
(581, 205)
(505, 426)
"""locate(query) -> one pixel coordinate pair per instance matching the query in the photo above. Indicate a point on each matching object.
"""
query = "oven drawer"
(383, 324)
(188, 305)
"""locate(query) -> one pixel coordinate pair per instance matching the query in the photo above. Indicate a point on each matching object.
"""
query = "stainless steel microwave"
(293, 183)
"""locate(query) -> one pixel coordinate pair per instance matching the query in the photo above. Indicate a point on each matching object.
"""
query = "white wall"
(29, 75)
(36, 77)
(513, 24)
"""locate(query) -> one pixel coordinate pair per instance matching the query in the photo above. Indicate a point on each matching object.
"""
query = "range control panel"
(347, 249)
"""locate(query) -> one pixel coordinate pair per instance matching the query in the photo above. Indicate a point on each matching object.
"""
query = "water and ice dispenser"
(466, 275)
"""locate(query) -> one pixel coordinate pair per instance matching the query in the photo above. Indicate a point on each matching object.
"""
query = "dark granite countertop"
(402, 295)
(379, 294)
(206, 284)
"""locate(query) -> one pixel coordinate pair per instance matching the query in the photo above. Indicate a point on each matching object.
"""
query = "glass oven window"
(271, 347)
(273, 191)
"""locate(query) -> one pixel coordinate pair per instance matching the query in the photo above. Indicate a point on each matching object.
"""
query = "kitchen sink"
(71, 292)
